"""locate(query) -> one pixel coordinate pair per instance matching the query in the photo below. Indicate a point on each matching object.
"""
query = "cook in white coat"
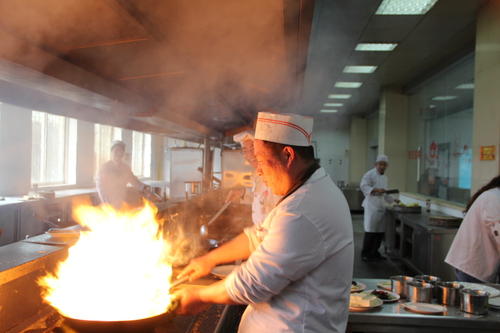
(475, 251)
(299, 270)
(263, 200)
(373, 185)
(114, 176)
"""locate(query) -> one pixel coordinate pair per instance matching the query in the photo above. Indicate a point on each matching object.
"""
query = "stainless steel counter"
(422, 247)
(392, 317)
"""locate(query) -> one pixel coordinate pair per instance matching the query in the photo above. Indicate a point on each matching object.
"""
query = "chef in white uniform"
(298, 273)
(263, 200)
(373, 185)
(475, 251)
(114, 176)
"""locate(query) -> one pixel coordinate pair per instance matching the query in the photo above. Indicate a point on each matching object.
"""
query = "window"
(53, 155)
(441, 112)
(103, 137)
(141, 154)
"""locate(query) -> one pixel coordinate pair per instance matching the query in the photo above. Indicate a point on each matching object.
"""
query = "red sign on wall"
(487, 153)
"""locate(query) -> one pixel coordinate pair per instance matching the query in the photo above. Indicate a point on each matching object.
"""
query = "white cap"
(242, 136)
(382, 158)
(286, 128)
(118, 143)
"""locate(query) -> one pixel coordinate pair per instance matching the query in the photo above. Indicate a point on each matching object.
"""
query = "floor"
(378, 269)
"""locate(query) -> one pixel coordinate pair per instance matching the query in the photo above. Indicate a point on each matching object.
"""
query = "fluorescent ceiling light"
(360, 69)
(376, 46)
(328, 111)
(443, 98)
(465, 86)
(339, 96)
(405, 7)
(348, 84)
(333, 104)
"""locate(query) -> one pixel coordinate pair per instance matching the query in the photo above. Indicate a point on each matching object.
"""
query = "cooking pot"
(144, 325)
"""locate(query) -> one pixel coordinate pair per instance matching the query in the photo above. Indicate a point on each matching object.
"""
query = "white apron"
(374, 205)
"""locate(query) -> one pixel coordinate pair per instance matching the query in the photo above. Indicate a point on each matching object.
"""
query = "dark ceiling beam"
(129, 7)
(105, 43)
(151, 76)
(63, 77)
(297, 20)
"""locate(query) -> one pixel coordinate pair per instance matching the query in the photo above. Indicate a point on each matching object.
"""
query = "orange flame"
(116, 271)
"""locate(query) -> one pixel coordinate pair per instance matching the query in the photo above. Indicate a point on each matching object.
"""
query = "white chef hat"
(118, 143)
(382, 158)
(286, 128)
(242, 136)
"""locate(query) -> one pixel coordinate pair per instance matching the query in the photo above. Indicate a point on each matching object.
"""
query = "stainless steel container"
(399, 285)
(420, 291)
(429, 279)
(474, 301)
(448, 293)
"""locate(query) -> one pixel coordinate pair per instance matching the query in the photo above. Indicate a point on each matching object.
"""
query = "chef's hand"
(378, 191)
(197, 268)
(190, 302)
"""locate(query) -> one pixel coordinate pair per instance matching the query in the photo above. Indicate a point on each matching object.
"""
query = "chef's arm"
(236, 249)
(366, 186)
(194, 299)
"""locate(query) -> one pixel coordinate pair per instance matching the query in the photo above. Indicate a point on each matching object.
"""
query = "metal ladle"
(204, 227)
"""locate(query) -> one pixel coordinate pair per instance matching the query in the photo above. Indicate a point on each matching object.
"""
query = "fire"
(116, 271)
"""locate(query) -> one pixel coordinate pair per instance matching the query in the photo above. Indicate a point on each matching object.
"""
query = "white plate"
(365, 308)
(424, 308)
(384, 284)
(223, 270)
(358, 288)
(477, 286)
(494, 302)
(395, 297)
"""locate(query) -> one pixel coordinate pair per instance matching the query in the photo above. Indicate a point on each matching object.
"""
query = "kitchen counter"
(392, 317)
(421, 247)
(422, 220)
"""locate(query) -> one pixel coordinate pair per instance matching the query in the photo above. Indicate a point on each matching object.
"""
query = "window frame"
(69, 176)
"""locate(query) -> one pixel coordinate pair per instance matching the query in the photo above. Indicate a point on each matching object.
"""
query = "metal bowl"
(448, 293)
(420, 291)
(399, 285)
(474, 301)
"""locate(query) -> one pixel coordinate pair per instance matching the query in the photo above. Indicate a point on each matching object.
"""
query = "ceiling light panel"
(443, 98)
(351, 85)
(328, 111)
(339, 96)
(465, 86)
(360, 69)
(405, 7)
(334, 105)
(380, 47)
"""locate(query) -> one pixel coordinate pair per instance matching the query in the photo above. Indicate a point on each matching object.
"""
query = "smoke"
(215, 62)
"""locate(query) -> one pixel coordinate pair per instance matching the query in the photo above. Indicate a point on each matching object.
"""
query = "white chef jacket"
(112, 182)
(263, 200)
(374, 205)
(298, 276)
(476, 247)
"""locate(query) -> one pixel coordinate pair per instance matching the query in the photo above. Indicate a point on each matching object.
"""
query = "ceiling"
(427, 43)
(207, 67)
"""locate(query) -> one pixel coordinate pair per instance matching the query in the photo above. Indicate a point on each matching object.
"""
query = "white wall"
(15, 148)
(357, 149)
(486, 124)
(331, 137)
